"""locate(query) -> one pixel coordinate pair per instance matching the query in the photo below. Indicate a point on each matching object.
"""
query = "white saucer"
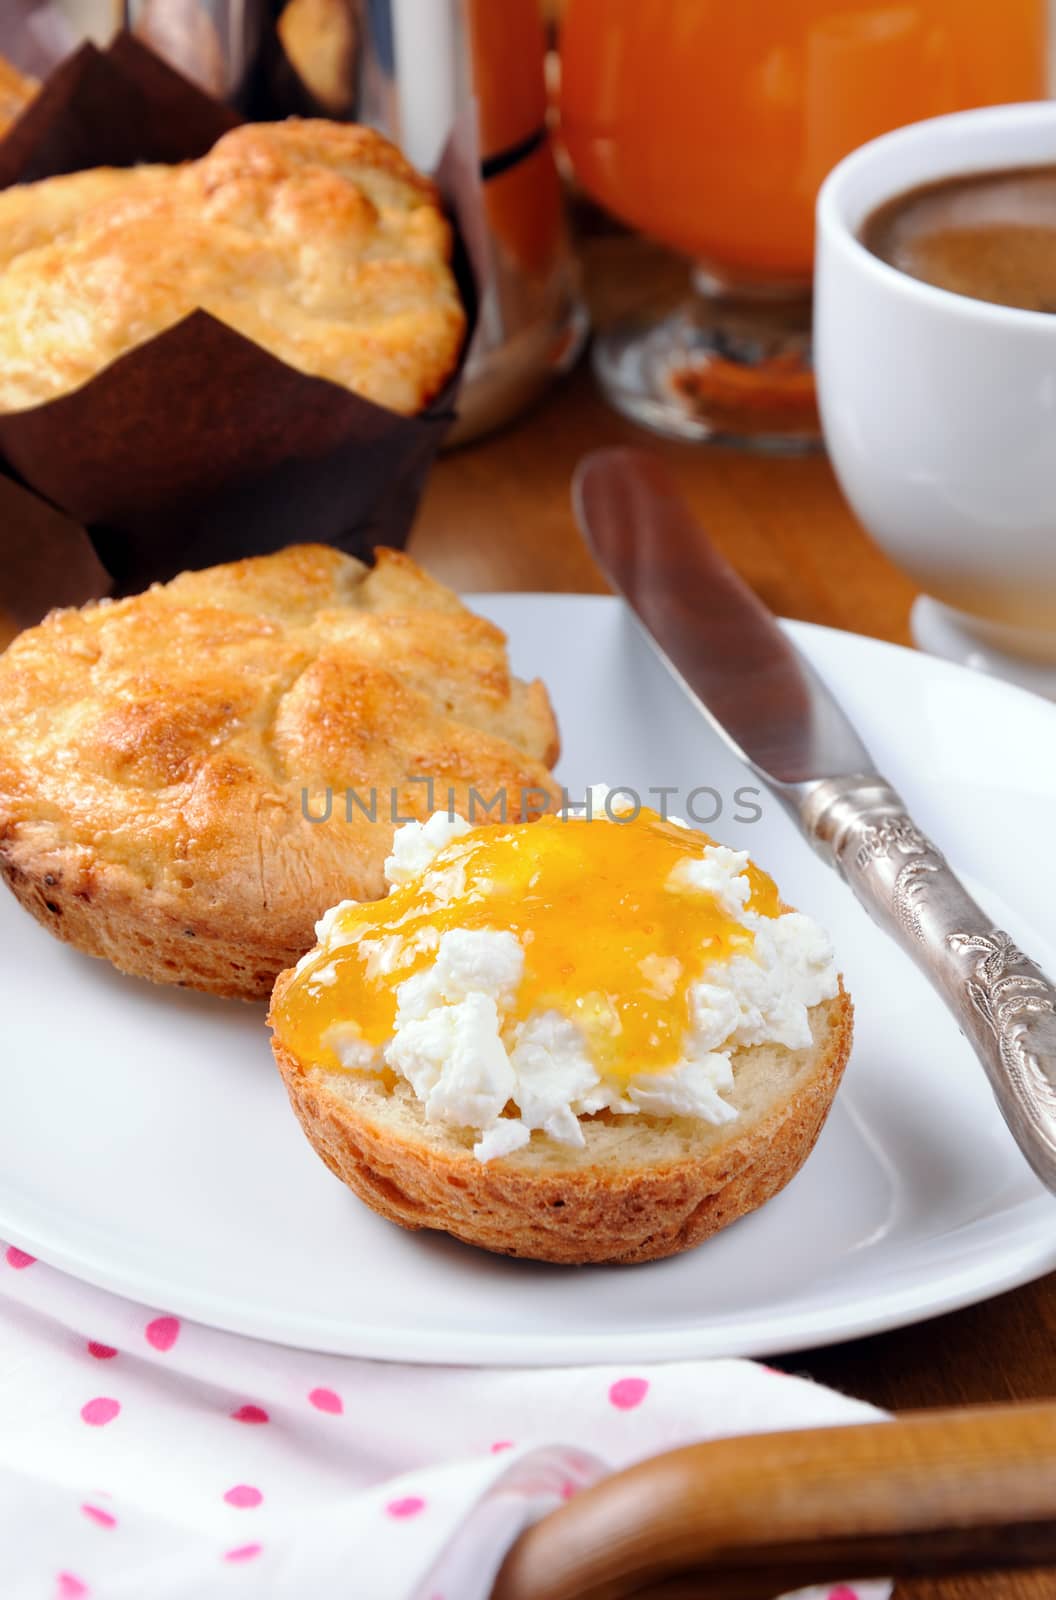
(146, 1144)
(937, 630)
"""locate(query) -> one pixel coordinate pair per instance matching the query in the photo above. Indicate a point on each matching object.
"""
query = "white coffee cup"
(939, 411)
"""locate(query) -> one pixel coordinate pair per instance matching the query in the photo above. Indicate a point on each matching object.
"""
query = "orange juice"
(709, 124)
(523, 199)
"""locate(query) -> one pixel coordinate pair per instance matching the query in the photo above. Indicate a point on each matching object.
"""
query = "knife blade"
(758, 692)
(766, 701)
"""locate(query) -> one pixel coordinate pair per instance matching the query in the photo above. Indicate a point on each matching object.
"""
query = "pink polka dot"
(100, 1411)
(568, 1489)
(409, 1507)
(68, 1587)
(243, 1494)
(105, 1519)
(250, 1414)
(243, 1552)
(842, 1592)
(18, 1258)
(101, 1352)
(163, 1332)
(501, 1444)
(627, 1393)
(327, 1400)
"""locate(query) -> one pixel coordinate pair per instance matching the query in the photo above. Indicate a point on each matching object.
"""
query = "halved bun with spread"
(455, 1058)
(189, 777)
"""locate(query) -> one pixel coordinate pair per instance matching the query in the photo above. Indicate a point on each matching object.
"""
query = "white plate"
(146, 1144)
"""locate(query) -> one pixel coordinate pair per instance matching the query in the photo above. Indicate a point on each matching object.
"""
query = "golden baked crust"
(643, 1188)
(155, 753)
(315, 239)
(320, 39)
(16, 91)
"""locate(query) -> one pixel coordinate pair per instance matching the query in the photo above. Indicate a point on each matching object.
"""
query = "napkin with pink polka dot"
(142, 1455)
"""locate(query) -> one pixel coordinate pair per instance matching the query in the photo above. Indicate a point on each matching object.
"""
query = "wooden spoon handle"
(750, 1518)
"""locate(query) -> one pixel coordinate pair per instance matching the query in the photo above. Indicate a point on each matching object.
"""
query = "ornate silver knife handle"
(1001, 999)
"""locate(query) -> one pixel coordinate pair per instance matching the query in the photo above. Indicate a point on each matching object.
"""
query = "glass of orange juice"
(709, 125)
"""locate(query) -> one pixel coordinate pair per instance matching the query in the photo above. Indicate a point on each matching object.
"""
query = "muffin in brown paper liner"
(199, 446)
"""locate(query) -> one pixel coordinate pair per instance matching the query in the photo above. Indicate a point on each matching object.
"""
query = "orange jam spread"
(607, 939)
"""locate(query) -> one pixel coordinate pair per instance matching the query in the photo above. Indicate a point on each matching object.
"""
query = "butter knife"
(769, 705)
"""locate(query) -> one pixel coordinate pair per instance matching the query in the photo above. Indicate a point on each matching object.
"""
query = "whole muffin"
(190, 777)
(315, 239)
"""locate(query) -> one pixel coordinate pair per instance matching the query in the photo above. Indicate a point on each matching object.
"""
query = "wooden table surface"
(497, 516)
